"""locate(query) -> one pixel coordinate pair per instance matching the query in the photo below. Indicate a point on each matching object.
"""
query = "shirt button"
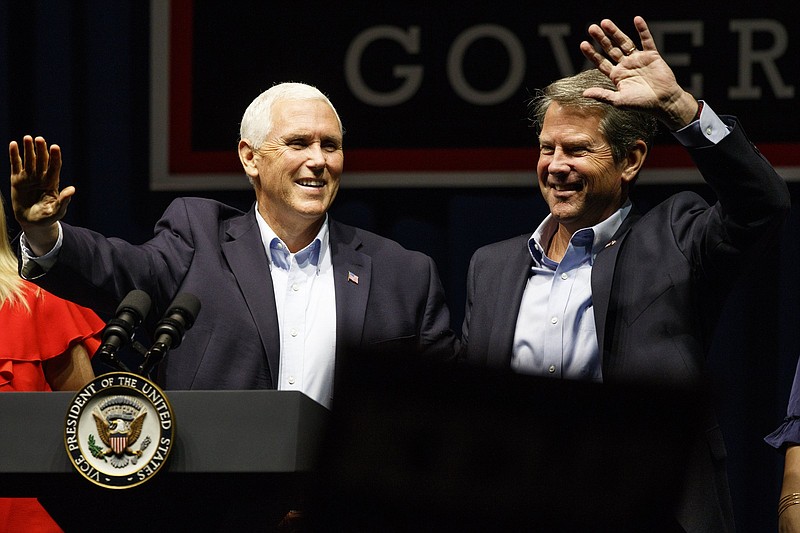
(291, 380)
(554, 320)
(294, 333)
(295, 287)
(709, 131)
(552, 368)
(564, 275)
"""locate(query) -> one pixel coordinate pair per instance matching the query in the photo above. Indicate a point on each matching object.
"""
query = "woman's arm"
(70, 370)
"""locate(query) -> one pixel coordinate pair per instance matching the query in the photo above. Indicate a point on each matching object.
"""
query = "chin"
(314, 213)
(563, 215)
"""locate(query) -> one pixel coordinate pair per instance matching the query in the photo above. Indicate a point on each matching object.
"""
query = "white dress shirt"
(306, 302)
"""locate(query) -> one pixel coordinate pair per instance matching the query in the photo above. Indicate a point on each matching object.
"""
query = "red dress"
(26, 339)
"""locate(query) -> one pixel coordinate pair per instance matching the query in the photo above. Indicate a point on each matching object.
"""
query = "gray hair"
(621, 127)
(257, 119)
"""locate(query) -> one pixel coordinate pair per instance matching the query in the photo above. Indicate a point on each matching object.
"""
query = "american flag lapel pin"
(352, 278)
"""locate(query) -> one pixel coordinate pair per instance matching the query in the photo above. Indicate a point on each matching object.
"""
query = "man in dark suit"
(286, 291)
(601, 294)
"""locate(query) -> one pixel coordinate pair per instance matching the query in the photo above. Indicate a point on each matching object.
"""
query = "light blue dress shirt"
(555, 334)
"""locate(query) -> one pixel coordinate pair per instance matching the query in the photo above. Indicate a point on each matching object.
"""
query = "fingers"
(54, 166)
(623, 43)
(614, 42)
(648, 43)
(29, 156)
(598, 60)
(36, 160)
(14, 159)
(41, 157)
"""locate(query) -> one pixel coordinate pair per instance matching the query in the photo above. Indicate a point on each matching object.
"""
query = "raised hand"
(37, 203)
(644, 81)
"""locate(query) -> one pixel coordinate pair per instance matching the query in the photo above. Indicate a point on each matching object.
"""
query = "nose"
(316, 157)
(559, 162)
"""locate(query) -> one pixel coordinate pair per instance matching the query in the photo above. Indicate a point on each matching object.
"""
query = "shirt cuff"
(706, 131)
(45, 262)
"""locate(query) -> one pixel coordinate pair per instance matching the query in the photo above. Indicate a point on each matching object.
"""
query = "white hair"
(257, 119)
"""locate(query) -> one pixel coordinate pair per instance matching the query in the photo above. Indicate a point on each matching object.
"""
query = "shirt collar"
(279, 254)
(598, 235)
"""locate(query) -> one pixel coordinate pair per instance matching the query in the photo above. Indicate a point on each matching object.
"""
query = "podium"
(240, 461)
(405, 448)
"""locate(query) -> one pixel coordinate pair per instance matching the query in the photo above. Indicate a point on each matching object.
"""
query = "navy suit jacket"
(657, 291)
(215, 252)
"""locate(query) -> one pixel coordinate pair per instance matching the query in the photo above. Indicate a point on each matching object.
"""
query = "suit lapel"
(511, 281)
(602, 280)
(352, 271)
(248, 261)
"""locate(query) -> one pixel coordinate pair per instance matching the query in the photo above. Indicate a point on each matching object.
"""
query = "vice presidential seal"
(119, 430)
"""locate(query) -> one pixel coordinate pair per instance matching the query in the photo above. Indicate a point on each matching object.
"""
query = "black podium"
(407, 447)
(241, 460)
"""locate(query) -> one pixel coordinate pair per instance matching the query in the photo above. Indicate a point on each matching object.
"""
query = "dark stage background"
(79, 73)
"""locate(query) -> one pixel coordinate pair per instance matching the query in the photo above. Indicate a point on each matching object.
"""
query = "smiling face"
(296, 170)
(578, 177)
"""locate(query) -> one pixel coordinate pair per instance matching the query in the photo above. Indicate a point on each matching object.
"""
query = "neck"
(299, 239)
(296, 236)
(557, 247)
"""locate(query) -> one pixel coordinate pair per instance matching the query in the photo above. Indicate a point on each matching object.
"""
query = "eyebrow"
(307, 133)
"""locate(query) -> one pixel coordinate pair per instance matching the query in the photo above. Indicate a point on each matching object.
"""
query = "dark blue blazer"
(657, 288)
(215, 252)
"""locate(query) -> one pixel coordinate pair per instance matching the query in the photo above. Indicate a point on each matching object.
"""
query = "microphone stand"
(113, 361)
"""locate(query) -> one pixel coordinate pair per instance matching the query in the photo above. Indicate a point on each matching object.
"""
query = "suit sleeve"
(464, 343)
(437, 340)
(97, 272)
(753, 202)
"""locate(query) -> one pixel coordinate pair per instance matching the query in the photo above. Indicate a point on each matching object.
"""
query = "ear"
(248, 158)
(634, 161)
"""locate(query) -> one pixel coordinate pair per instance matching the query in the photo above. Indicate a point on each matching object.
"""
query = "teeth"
(565, 186)
(311, 183)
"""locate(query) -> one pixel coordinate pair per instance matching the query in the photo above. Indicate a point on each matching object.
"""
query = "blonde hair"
(12, 288)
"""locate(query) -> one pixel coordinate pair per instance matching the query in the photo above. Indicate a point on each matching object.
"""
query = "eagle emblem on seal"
(119, 434)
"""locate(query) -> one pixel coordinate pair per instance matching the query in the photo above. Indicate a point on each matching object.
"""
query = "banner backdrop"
(435, 95)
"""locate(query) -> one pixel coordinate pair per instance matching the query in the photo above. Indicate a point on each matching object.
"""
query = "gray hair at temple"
(621, 127)
(257, 119)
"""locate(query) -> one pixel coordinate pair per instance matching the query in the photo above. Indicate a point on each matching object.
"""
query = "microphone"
(119, 330)
(170, 329)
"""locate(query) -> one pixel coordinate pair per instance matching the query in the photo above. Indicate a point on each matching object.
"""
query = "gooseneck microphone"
(119, 330)
(169, 332)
